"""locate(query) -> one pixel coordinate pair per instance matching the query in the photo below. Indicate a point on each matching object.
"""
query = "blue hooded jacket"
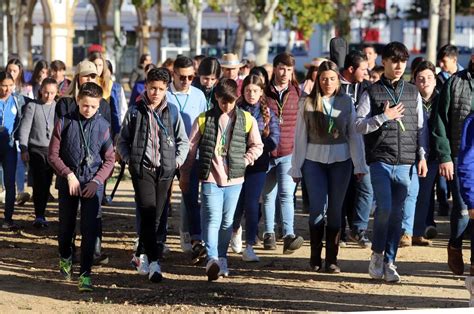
(466, 162)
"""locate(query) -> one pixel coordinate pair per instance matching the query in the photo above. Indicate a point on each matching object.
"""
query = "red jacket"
(288, 117)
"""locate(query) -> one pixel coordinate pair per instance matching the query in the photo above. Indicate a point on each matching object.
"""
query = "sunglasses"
(92, 76)
(186, 77)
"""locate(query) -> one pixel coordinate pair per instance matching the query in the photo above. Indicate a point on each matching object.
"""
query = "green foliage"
(465, 7)
(301, 15)
(145, 4)
(215, 5)
(181, 6)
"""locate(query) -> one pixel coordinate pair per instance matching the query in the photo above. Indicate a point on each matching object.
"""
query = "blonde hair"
(105, 79)
(314, 101)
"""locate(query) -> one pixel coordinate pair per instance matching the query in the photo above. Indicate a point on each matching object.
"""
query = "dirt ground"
(30, 281)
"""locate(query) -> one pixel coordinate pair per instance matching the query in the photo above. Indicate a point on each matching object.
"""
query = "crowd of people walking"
(355, 135)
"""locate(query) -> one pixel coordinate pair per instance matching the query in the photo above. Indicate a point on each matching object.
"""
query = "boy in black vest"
(82, 155)
(390, 114)
(456, 102)
(154, 144)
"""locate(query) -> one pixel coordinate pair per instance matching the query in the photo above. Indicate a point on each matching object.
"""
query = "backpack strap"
(248, 121)
(202, 122)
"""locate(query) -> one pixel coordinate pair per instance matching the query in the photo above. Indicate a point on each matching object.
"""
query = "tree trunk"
(239, 41)
(194, 15)
(262, 45)
(443, 32)
(259, 28)
(159, 26)
(20, 34)
(433, 31)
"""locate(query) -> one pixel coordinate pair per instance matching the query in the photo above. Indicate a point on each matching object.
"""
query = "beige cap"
(85, 68)
(230, 60)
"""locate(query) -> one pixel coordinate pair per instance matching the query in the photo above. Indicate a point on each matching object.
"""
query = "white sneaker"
(143, 268)
(224, 270)
(470, 288)
(236, 241)
(212, 269)
(155, 272)
(185, 241)
(376, 266)
(248, 255)
(390, 273)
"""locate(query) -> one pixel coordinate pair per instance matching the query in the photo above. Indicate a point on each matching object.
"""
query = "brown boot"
(405, 241)
(420, 241)
(455, 261)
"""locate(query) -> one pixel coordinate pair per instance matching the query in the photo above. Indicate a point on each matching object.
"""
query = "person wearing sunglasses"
(190, 102)
(86, 71)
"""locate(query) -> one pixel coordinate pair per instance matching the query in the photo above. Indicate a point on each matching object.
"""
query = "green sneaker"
(65, 267)
(85, 284)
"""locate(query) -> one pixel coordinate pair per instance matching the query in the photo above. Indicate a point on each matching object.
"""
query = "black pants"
(42, 176)
(67, 222)
(151, 196)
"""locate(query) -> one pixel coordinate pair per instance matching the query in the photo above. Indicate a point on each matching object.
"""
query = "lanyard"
(2, 114)
(46, 118)
(280, 103)
(86, 142)
(224, 132)
(330, 117)
(160, 124)
(210, 97)
(181, 108)
(396, 100)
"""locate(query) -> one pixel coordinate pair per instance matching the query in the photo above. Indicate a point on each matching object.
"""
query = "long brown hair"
(105, 79)
(314, 101)
(256, 80)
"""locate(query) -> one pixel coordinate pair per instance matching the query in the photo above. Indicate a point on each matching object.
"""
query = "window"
(174, 36)
(210, 36)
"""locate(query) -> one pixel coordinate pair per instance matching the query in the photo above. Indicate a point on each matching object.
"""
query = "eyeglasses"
(186, 77)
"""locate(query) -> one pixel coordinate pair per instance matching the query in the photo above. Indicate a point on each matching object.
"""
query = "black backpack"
(338, 49)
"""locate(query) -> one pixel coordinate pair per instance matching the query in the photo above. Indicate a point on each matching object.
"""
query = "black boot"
(332, 248)
(316, 240)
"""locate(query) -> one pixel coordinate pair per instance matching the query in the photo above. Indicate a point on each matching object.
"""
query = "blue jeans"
(218, 205)
(279, 183)
(191, 215)
(327, 184)
(424, 200)
(410, 203)
(442, 191)
(248, 203)
(364, 197)
(8, 158)
(459, 214)
(390, 184)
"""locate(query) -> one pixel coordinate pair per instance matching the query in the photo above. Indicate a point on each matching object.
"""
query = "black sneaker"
(269, 241)
(106, 201)
(10, 225)
(199, 253)
(40, 222)
(360, 238)
(102, 259)
(431, 232)
(291, 243)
